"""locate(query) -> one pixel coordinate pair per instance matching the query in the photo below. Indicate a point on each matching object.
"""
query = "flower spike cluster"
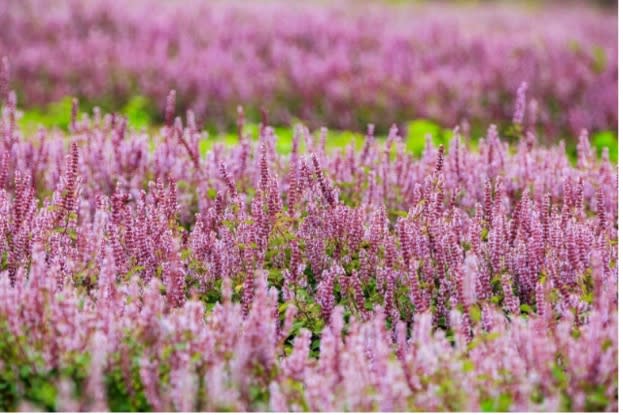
(134, 276)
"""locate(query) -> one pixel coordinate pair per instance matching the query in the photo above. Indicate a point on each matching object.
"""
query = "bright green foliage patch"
(607, 139)
(140, 114)
(56, 114)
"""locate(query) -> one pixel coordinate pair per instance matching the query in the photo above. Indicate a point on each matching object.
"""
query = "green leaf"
(468, 366)
(504, 402)
(500, 404)
(44, 394)
(488, 405)
(211, 193)
(597, 400)
(600, 59)
(474, 313)
(606, 345)
(559, 374)
(283, 307)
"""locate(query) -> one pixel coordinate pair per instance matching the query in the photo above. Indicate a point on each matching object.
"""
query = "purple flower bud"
(520, 104)
(4, 78)
(169, 112)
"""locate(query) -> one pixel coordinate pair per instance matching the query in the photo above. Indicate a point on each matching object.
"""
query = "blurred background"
(451, 63)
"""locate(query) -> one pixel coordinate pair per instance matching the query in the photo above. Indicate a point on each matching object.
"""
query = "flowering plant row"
(338, 66)
(137, 273)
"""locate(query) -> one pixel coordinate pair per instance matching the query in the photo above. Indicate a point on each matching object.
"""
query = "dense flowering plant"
(338, 66)
(138, 273)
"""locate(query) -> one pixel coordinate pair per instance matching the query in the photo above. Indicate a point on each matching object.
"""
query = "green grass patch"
(606, 139)
(139, 112)
(54, 115)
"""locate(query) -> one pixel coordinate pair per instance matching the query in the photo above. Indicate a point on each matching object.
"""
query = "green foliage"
(228, 140)
(501, 403)
(341, 139)
(474, 313)
(56, 114)
(558, 373)
(600, 59)
(24, 379)
(41, 392)
(596, 400)
(607, 139)
(283, 143)
(468, 366)
(417, 131)
(139, 112)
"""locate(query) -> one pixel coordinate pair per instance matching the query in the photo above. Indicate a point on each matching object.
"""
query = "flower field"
(328, 65)
(157, 268)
